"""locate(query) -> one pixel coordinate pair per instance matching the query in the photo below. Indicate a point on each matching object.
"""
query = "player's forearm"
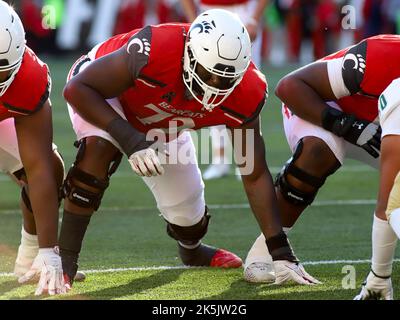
(306, 90)
(262, 199)
(44, 200)
(94, 108)
(89, 104)
(301, 99)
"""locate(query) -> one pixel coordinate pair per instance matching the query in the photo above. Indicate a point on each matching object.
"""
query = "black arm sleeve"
(138, 48)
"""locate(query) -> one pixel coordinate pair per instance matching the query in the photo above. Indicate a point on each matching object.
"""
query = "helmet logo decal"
(204, 26)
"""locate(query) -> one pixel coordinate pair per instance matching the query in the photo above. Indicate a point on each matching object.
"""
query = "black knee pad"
(79, 195)
(293, 194)
(192, 234)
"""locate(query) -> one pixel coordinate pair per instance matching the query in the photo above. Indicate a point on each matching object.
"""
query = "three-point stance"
(170, 77)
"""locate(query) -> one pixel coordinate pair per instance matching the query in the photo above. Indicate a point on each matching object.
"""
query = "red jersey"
(159, 98)
(366, 70)
(29, 90)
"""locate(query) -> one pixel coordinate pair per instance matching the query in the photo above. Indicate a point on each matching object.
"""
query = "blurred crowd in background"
(295, 31)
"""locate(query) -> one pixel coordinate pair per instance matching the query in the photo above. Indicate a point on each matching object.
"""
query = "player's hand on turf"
(47, 265)
(146, 163)
(286, 271)
(375, 288)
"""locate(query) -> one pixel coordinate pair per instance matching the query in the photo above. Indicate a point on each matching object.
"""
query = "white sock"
(384, 242)
(395, 221)
(27, 252)
(28, 240)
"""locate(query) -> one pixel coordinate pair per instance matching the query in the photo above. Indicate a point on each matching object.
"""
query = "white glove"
(146, 163)
(375, 288)
(47, 265)
(287, 270)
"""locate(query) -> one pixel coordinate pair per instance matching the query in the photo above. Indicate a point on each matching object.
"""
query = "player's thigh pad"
(297, 128)
(179, 192)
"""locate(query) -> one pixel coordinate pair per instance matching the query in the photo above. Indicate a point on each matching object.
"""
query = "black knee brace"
(79, 195)
(292, 194)
(192, 234)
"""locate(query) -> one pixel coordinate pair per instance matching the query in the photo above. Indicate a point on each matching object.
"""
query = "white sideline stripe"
(155, 268)
(274, 170)
(326, 203)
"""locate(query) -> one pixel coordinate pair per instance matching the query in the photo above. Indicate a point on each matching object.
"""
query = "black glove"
(362, 133)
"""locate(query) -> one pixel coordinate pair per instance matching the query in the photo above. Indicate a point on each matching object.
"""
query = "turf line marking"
(162, 268)
(274, 170)
(323, 203)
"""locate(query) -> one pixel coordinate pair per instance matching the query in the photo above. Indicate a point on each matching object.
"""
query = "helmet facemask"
(213, 47)
(13, 70)
(209, 96)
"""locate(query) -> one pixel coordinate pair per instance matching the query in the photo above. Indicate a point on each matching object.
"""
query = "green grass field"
(127, 232)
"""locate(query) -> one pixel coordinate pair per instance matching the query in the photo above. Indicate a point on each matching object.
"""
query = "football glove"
(362, 133)
(286, 271)
(376, 288)
(259, 272)
(47, 265)
(146, 163)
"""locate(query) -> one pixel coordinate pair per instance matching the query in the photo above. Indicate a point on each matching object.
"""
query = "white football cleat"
(376, 288)
(80, 276)
(259, 272)
(215, 171)
(27, 252)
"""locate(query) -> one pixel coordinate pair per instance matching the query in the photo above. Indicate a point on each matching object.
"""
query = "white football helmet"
(219, 42)
(12, 43)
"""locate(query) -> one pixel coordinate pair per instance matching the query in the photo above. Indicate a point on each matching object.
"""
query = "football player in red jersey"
(335, 108)
(170, 77)
(27, 153)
